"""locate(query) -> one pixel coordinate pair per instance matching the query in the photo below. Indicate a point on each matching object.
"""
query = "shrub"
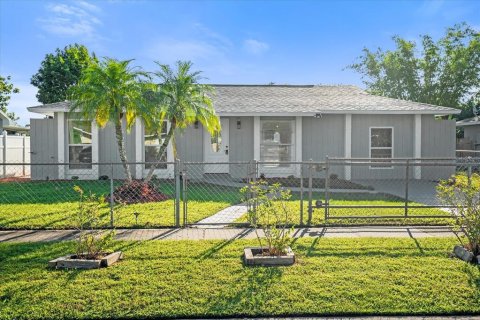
(463, 194)
(268, 211)
(91, 242)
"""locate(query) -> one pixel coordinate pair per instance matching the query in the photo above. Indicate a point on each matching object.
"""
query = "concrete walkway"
(230, 233)
(223, 218)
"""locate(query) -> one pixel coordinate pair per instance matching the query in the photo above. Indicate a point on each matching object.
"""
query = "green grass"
(51, 204)
(333, 276)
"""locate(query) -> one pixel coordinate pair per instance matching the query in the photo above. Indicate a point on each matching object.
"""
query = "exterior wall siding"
(320, 138)
(403, 143)
(324, 137)
(108, 151)
(189, 148)
(44, 148)
(241, 145)
(473, 133)
(438, 141)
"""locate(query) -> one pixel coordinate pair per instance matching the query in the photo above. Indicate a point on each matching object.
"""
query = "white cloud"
(256, 47)
(77, 18)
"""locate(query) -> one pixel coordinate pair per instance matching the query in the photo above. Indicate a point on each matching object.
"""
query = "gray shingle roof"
(468, 122)
(258, 99)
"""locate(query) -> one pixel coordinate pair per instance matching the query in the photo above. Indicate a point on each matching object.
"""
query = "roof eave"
(366, 112)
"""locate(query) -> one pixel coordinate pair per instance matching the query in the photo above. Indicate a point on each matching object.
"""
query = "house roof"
(297, 99)
(468, 122)
(9, 124)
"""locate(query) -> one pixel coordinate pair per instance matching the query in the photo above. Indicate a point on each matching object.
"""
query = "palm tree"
(109, 91)
(182, 101)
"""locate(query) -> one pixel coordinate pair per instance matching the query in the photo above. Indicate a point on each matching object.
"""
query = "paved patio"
(230, 233)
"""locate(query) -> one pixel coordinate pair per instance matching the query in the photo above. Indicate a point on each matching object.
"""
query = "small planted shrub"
(91, 242)
(269, 212)
(91, 250)
(463, 195)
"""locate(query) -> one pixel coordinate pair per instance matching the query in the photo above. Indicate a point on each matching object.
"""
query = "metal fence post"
(111, 196)
(327, 187)
(176, 171)
(407, 169)
(469, 173)
(301, 194)
(24, 154)
(185, 194)
(4, 153)
(310, 187)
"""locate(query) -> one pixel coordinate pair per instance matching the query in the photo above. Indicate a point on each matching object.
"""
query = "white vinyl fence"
(14, 149)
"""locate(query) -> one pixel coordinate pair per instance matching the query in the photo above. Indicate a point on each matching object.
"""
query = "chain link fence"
(335, 191)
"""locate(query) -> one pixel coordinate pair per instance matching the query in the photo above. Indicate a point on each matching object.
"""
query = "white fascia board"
(311, 114)
(46, 111)
(468, 124)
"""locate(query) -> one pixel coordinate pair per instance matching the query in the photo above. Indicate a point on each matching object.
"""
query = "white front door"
(216, 149)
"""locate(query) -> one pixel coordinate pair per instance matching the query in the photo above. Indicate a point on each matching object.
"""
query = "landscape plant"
(61, 70)
(462, 194)
(445, 72)
(269, 212)
(92, 241)
(6, 90)
(111, 91)
(182, 101)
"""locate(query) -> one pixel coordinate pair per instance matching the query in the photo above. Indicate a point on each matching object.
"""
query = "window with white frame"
(277, 142)
(153, 142)
(79, 144)
(381, 146)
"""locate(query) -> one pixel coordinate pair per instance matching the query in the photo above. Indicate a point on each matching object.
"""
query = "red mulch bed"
(137, 192)
(14, 179)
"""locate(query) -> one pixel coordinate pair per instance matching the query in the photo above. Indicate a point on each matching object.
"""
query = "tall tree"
(61, 70)
(444, 72)
(182, 101)
(6, 90)
(110, 91)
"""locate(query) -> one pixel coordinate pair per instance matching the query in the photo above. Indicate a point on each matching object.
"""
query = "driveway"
(420, 191)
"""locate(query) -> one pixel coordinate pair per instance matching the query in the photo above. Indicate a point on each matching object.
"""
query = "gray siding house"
(271, 123)
(471, 132)
(10, 127)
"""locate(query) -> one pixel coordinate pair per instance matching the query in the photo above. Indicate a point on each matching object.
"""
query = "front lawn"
(51, 204)
(207, 279)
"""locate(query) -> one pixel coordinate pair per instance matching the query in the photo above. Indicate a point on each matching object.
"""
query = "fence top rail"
(390, 159)
(471, 151)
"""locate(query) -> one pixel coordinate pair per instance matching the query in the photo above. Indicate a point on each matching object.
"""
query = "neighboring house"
(275, 123)
(471, 133)
(10, 126)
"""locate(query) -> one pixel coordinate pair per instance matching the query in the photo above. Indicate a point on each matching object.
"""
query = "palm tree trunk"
(121, 149)
(161, 151)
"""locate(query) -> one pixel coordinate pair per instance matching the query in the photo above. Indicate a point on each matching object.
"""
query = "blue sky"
(254, 42)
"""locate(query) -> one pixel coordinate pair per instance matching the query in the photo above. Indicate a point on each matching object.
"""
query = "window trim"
(294, 145)
(91, 144)
(167, 127)
(381, 148)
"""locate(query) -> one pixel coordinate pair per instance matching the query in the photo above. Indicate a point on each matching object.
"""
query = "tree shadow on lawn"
(251, 294)
(473, 273)
(338, 250)
(220, 245)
